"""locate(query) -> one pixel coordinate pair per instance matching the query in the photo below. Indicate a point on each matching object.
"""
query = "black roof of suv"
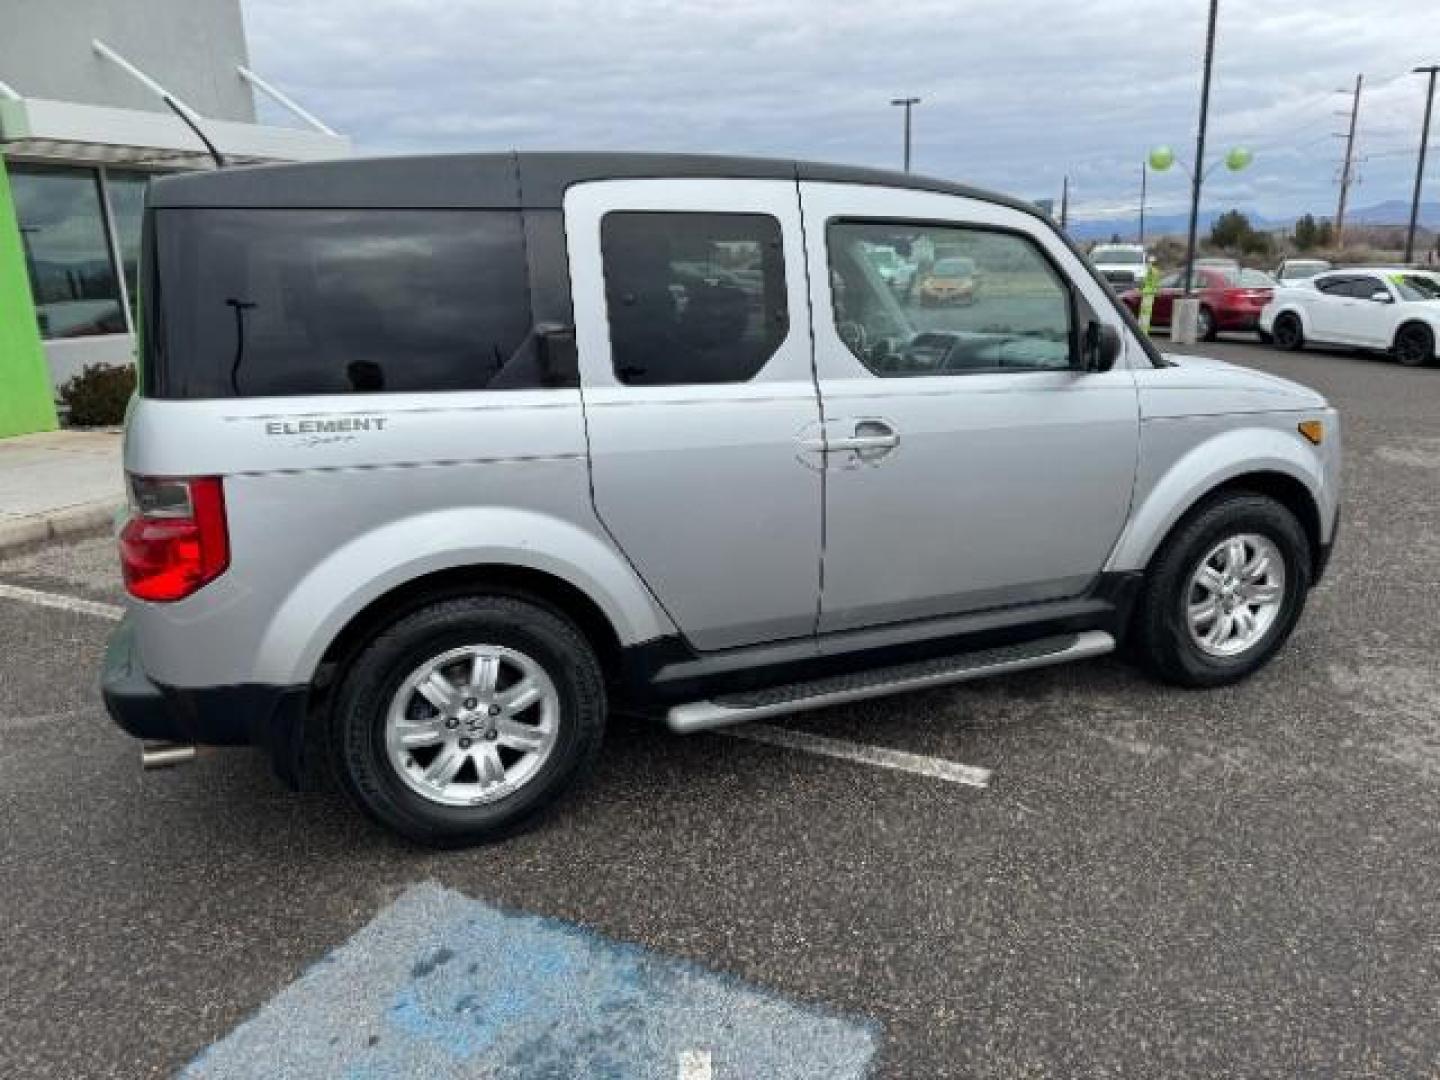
(499, 181)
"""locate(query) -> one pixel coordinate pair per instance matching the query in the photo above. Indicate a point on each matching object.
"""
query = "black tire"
(1265, 339)
(1205, 324)
(358, 719)
(1414, 345)
(1288, 333)
(1163, 642)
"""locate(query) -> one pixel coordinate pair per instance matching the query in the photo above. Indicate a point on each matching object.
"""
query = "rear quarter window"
(250, 303)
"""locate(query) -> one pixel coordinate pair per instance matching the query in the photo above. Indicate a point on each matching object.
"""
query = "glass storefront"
(66, 236)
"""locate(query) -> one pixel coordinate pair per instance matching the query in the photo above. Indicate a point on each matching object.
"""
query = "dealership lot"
(1150, 882)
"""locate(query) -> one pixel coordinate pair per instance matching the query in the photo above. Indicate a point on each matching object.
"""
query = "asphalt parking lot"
(1154, 883)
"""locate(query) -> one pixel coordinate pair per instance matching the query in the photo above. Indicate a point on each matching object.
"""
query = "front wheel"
(1415, 345)
(1224, 592)
(463, 720)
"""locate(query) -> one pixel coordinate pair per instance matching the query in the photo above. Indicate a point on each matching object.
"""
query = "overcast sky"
(1016, 92)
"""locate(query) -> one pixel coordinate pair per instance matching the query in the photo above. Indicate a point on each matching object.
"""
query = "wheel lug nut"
(494, 710)
(452, 722)
(464, 744)
(492, 734)
(470, 703)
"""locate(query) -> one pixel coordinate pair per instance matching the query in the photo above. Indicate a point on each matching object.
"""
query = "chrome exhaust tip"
(164, 755)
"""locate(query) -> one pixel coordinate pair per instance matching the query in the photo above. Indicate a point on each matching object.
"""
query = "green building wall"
(26, 403)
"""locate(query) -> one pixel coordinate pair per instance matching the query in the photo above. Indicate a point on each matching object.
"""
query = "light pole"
(1144, 178)
(1198, 173)
(908, 103)
(1420, 165)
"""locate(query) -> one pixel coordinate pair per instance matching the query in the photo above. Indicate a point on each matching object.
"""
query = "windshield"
(1416, 286)
(1118, 256)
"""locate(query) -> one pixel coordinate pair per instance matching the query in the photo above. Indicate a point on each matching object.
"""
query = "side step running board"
(838, 689)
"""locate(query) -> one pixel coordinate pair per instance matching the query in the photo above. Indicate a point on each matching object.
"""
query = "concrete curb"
(72, 522)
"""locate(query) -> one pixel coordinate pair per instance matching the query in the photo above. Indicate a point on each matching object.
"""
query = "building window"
(67, 253)
(126, 192)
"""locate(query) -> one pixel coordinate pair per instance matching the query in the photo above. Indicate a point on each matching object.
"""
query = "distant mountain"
(1390, 212)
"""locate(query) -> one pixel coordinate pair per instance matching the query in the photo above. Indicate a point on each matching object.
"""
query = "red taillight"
(176, 539)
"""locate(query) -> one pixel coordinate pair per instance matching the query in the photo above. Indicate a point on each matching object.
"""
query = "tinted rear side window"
(692, 298)
(247, 303)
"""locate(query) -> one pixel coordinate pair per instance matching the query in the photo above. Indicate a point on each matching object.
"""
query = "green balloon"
(1238, 158)
(1161, 158)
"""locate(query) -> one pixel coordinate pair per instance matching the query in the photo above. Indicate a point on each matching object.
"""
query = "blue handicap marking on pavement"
(439, 985)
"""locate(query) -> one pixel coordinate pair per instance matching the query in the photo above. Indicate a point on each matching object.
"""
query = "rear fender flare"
(366, 569)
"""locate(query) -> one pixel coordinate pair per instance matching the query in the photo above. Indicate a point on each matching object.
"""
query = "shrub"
(98, 395)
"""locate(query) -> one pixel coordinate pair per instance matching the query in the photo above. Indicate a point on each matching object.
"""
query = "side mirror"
(1381, 297)
(1102, 347)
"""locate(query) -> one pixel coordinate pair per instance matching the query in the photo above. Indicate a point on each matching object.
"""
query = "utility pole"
(1065, 203)
(908, 103)
(1420, 165)
(1199, 165)
(1144, 177)
(1347, 171)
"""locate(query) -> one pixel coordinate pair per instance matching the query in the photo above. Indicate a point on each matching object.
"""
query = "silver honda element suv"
(437, 460)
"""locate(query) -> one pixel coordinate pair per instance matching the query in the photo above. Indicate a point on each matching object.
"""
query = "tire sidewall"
(1242, 514)
(1427, 355)
(1205, 324)
(358, 733)
(1288, 341)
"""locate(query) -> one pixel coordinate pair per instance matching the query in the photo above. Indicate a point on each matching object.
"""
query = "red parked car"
(1230, 298)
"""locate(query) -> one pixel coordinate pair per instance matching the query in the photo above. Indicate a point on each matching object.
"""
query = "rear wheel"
(1288, 333)
(1415, 345)
(1224, 593)
(1205, 324)
(463, 720)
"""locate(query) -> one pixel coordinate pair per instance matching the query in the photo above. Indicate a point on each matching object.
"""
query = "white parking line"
(112, 612)
(695, 1065)
(879, 756)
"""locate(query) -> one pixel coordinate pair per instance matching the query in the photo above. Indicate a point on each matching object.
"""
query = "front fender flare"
(346, 581)
(1213, 462)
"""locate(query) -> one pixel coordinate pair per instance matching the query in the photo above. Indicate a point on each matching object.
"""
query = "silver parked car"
(435, 460)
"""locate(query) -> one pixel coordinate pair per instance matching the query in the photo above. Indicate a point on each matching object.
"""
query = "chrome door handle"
(866, 442)
(871, 441)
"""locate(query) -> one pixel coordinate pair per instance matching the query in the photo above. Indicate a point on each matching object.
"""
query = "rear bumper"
(249, 714)
(1238, 319)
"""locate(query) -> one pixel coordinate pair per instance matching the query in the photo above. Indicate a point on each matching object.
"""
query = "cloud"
(1016, 94)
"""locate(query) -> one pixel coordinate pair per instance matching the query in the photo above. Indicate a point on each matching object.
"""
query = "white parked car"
(1388, 309)
(1291, 271)
(1122, 265)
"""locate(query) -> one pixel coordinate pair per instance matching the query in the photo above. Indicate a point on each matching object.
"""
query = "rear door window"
(248, 303)
(692, 297)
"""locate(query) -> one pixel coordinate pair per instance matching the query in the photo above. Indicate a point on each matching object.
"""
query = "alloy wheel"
(1236, 594)
(472, 725)
(1413, 346)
